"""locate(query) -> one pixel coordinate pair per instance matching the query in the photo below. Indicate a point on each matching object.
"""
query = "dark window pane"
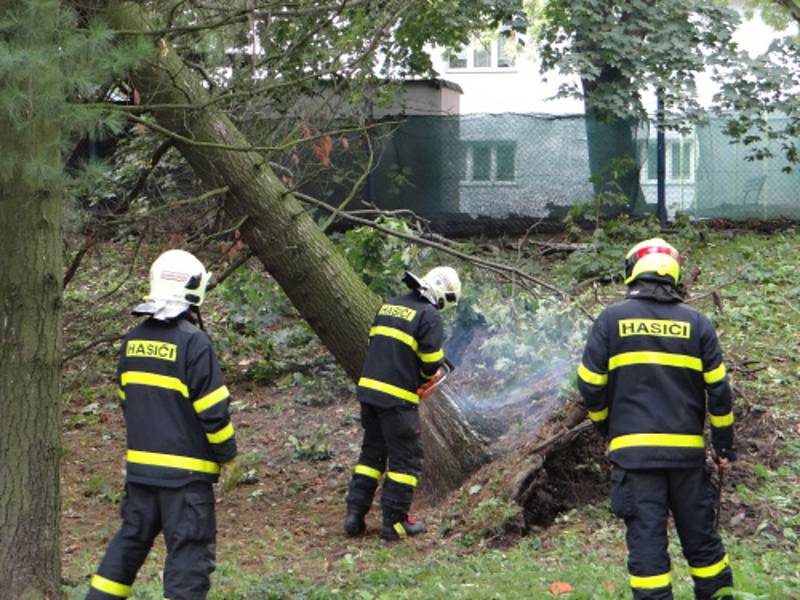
(680, 160)
(481, 162)
(458, 60)
(505, 162)
(652, 159)
(676, 160)
(482, 58)
(503, 56)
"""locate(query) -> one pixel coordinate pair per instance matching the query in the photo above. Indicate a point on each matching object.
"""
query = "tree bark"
(453, 449)
(609, 139)
(315, 276)
(31, 271)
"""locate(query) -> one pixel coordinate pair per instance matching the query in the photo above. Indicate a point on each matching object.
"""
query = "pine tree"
(45, 59)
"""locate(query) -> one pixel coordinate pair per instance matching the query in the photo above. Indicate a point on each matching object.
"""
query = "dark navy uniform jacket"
(175, 404)
(651, 370)
(405, 350)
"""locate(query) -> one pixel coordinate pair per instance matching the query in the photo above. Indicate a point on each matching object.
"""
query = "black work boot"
(354, 523)
(397, 526)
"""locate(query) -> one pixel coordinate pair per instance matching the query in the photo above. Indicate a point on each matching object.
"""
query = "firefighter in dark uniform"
(403, 359)
(179, 433)
(651, 369)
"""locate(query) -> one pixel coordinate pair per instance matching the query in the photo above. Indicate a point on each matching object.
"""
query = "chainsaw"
(441, 375)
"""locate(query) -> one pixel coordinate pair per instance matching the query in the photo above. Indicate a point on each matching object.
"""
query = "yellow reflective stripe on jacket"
(367, 471)
(152, 379)
(651, 583)
(220, 436)
(209, 400)
(710, 570)
(431, 357)
(395, 333)
(111, 587)
(402, 478)
(121, 393)
(677, 440)
(592, 377)
(172, 461)
(722, 420)
(600, 415)
(666, 359)
(715, 375)
(388, 388)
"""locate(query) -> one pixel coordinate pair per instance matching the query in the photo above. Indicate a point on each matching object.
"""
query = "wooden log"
(453, 449)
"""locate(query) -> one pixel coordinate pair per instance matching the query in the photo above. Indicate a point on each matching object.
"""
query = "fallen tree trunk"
(453, 449)
(315, 276)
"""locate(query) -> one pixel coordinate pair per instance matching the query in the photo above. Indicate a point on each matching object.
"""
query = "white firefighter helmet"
(444, 286)
(178, 280)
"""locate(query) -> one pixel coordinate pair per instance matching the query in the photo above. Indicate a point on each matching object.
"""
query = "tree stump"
(453, 449)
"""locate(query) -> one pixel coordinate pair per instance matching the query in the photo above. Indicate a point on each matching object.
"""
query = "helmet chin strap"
(199, 318)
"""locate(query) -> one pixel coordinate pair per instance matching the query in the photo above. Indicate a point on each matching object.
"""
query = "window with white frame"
(489, 162)
(497, 54)
(680, 159)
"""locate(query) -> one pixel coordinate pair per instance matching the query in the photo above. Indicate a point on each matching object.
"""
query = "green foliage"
(378, 258)
(325, 384)
(310, 447)
(757, 103)
(43, 40)
(260, 335)
(603, 259)
(525, 337)
(611, 200)
(447, 24)
(621, 49)
(100, 490)
(586, 549)
(774, 13)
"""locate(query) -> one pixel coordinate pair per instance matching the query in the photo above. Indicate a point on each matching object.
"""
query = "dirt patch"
(571, 476)
(289, 519)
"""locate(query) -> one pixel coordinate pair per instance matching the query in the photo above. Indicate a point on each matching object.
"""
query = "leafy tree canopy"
(620, 50)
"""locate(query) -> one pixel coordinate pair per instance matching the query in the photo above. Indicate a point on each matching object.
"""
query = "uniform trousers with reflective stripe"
(391, 443)
(644, 498)
(186, 516)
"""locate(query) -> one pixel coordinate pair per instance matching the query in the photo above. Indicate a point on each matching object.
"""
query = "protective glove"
(427, 388)
(724, 458)
(230, 474)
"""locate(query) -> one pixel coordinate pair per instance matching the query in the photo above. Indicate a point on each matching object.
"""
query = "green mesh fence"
(498, 166)
(728, 185)
(530, 166)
